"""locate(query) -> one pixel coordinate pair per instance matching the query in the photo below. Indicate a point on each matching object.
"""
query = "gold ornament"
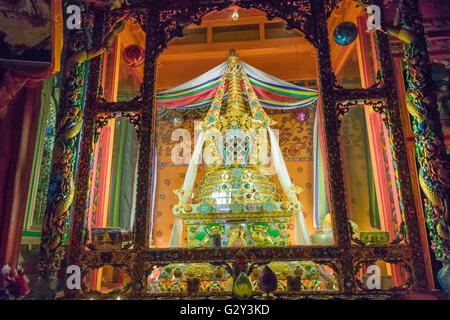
(259, 235)
(255, 273)
(237, 236)
(298, 271)
(243, 286)
(202, 271)
(214, 286)
(281, 269)
(218, 272)
(177, 273)
(177, 287)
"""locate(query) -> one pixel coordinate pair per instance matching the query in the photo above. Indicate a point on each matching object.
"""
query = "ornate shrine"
(236, 225)
(161, 24)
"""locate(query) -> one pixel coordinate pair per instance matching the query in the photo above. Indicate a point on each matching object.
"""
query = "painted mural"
(32, 41)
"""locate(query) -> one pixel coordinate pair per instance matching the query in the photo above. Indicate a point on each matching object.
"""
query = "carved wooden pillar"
(333, 155)
(86, 149)
(68, 127)
(406, 195)
(143, 196)
(434, 169)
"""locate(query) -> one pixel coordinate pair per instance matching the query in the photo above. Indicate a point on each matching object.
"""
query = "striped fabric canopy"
(273, 93)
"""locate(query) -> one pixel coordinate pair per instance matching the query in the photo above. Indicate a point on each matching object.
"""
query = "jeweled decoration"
(267, 280)
(345, 33)
(237, 204)
(243, 286)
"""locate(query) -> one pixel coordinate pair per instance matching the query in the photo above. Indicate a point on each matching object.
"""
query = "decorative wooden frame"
(164, 20)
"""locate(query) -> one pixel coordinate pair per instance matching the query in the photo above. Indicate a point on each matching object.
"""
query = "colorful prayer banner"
(273, 93)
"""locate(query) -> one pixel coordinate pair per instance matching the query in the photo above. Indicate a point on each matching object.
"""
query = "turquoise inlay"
(236, 173)
(236, 183)
(236, 207)
(268, 206)
(204, 208)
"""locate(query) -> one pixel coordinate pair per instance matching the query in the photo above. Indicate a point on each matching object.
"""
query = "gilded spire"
(235, 102)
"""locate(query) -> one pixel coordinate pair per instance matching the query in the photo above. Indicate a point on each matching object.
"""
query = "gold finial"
(233, 54)
(235, 102)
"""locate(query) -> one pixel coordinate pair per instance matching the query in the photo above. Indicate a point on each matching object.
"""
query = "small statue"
(298, 271)
(180, 194)
(237, 236)
(78, 57)
(293, 191)
(260, 237)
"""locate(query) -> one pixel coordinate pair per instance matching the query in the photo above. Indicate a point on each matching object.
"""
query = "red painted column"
(18, 131)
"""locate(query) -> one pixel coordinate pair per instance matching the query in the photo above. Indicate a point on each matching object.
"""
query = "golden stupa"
(237, 203)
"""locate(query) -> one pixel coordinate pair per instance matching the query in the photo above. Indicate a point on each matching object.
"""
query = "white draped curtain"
(301, 232)
(188, 186)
